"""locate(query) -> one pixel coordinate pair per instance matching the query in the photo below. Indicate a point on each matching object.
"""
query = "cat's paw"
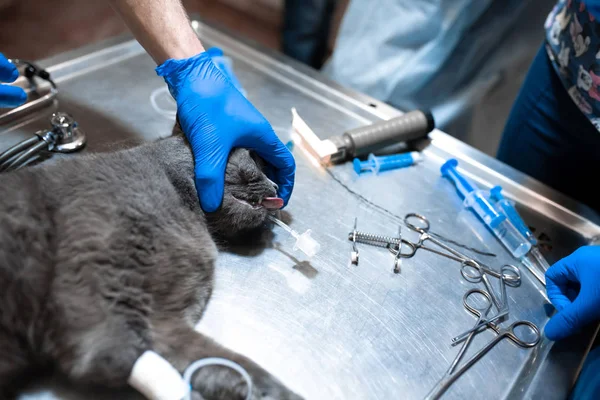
(270, 388)
(221, 383)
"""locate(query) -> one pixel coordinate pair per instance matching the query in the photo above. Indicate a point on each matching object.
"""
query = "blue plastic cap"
(495, 193)
(450, 164)
(357, 166)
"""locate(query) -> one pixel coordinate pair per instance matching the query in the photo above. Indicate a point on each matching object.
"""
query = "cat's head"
(248, 197)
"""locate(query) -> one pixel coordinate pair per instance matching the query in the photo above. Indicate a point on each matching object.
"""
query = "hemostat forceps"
(501, 304)
(452, 374)
(511, 276)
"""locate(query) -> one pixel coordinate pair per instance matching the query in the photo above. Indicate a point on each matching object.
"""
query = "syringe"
(505, 207)
(498, 223)
(375, 164)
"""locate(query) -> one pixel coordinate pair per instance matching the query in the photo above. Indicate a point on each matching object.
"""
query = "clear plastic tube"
(205, 362)
(284, 226)
(304, 242)
(165, 112)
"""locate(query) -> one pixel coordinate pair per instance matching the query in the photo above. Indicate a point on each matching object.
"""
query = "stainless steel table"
(328, 329)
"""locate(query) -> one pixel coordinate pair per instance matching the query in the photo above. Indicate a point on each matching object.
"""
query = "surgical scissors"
(511, 279)
(452, 374)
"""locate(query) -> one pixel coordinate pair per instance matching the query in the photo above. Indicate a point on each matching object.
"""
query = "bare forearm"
(161, 26)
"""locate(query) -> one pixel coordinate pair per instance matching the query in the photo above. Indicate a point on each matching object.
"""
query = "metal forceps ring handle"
(425, 235)
(481, 314)
(413, 227)
(510, 333)
(411, 249)
(499, 303)
(473, 272)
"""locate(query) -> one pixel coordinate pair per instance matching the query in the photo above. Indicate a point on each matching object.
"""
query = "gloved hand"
(10, 96)
(573, 287)
(216, 118)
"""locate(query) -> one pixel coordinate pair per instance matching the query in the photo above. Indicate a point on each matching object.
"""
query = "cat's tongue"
(272, 203)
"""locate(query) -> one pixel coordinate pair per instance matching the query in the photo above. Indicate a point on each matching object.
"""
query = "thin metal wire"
(399, 219)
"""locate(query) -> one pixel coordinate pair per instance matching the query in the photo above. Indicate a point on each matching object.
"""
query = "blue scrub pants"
(549, 138)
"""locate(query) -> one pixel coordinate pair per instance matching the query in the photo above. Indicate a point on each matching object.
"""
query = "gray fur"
(105, 256)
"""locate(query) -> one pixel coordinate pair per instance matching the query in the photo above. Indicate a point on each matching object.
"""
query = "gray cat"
(105, 256)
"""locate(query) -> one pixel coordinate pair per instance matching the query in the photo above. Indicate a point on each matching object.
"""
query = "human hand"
(573, 287)
(216, 117)
(10, 96)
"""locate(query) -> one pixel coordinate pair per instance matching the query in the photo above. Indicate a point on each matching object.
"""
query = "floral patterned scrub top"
(573, 45)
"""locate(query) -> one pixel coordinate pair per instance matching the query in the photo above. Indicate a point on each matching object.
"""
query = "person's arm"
(161, 26)
(213, 114)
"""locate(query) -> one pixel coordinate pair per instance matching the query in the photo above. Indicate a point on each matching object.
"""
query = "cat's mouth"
(268, 203)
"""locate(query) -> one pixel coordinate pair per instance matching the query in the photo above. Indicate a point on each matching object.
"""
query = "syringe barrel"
(505, 207)
(483, 208)
(505, 232)
(512, 239)
(385, 163)
(463, 185)
(472, 195)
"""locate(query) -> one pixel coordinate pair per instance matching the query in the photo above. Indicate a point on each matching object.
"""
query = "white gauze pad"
(157, 379)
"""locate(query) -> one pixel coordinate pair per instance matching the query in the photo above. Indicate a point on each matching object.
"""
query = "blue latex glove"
(10, 96)
(573, 287)
(224, 64)
(216, 117)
